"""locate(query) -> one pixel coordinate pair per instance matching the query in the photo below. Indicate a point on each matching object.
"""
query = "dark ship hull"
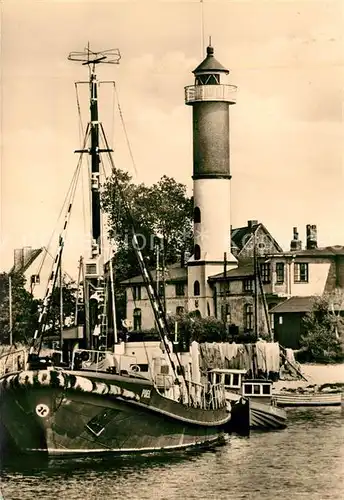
(252, 415)
(65, 413)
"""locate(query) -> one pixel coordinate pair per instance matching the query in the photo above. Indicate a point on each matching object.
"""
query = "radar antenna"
(88, 56)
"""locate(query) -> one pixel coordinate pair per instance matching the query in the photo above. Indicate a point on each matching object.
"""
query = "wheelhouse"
(231, 379)
(257, 388)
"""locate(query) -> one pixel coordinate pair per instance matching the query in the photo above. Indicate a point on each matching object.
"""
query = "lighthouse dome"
(210, 65)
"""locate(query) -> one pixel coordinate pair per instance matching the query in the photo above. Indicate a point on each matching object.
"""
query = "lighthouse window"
(196, 288)
(197, 252)
(197, 215)
(208, 80)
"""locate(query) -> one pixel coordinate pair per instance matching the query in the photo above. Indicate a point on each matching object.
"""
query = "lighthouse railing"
(226, 93)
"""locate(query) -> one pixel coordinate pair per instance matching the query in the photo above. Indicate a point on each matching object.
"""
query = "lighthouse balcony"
(198, 93)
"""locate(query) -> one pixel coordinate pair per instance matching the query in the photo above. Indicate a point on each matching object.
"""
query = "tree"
(69, 293)
(24, 310)
(161, 209)
(322, 340)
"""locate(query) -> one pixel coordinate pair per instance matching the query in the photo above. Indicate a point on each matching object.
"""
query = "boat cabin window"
(232, 379)
(267, 389)
(248, 389)
(257, 389)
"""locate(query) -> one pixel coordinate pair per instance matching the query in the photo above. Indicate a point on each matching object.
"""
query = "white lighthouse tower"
(210, 100)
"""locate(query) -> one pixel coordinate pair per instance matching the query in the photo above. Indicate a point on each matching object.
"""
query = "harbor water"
(304, 461)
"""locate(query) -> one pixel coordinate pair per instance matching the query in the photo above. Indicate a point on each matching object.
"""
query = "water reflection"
(303, 461)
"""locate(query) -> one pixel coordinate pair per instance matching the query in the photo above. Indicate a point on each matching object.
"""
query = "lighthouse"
(210, 99)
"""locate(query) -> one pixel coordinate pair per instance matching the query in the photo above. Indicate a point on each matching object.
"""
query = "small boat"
(251, 400)
(92, 407)
(326, 395)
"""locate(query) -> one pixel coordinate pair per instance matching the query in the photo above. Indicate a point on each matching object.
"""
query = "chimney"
(182, 259)
(251, 223)
(311, 231)
(18, 259)
(26, 254)
(295, 243)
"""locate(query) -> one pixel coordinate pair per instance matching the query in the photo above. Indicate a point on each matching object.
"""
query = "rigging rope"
(154, 298)
(42, 320)
(65, 202)
(125, 130)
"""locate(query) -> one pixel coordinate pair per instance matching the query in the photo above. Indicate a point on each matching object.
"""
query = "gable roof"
(28, 261)
(298, 304)
(294, 305)
(241, 235)
(242, 271)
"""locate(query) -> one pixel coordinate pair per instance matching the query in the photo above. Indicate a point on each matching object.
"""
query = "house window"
(265, 273)
(180, 290)
(248, 317)
(197, 252)
(225, 313)
(180, 310)
(137, 292)
(197, 215)
(301, 272)
(35, 280)
(137, 319)
(248, 285)
(196, 288)
(280, 272)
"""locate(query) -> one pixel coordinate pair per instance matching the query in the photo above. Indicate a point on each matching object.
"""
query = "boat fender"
(135, 368)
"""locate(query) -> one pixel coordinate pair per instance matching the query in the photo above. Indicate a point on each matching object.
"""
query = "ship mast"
(94, 266)
(96, 131)
(91, 59)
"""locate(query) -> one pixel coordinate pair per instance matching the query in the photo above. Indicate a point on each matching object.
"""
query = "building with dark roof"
(240, 278)
(290, 281)
(35, 264)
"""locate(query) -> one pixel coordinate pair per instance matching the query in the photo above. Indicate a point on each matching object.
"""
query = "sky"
(286, 57)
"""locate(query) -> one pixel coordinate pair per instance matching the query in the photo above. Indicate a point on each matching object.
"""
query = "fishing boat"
(312, 395)
(91, 406)
(252, 403)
